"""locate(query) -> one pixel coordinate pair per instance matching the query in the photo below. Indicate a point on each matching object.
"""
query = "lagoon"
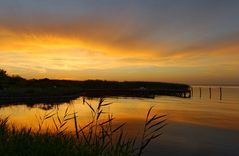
(195, 126)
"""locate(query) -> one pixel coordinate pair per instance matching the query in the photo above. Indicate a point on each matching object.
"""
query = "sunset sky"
(189, 41)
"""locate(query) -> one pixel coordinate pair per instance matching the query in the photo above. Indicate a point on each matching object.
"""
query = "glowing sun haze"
(191, 41)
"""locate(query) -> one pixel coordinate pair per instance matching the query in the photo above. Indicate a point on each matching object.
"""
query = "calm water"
(203, 116)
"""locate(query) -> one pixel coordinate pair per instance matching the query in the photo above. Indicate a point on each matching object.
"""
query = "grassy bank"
(100, 137)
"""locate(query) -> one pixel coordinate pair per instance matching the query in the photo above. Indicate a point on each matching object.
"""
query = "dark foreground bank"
(99, 137)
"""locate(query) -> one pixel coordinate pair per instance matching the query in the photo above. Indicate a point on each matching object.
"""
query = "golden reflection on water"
(201, 111)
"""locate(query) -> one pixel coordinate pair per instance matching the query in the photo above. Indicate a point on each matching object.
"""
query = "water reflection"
(34, 101)
(201, 111)
(191, 122)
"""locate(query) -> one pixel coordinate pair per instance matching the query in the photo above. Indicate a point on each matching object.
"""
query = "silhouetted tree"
(3, 76)
(3, 73)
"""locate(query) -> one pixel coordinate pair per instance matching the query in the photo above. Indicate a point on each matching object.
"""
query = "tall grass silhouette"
(99, 137)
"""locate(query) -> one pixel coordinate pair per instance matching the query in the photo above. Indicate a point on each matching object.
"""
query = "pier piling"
(220, 93)
(191, 91)
(210, 92)
(200, 92)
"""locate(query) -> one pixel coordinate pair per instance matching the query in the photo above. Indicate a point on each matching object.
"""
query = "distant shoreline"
(16, 88)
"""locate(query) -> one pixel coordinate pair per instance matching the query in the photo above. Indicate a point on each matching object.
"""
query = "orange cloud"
(80, 53)
(107, 38)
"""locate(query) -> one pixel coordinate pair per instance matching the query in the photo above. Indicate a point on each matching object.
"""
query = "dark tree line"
(45, 85)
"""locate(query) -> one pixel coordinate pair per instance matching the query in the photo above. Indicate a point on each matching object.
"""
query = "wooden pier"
(137, 92)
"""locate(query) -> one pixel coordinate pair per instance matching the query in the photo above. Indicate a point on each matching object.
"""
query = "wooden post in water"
(200, 92)
(191, 91)
(210, 92)
(220, 93)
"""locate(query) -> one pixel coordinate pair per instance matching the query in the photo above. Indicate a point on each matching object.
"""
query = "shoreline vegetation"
(15, 89)
(100, 137)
